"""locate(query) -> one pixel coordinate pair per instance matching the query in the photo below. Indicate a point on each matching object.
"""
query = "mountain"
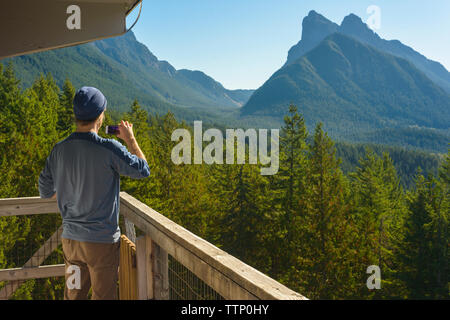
(180, 87)
(316, 27)
(363, 88)
(125, 69)
(87, 65)
(353, 87)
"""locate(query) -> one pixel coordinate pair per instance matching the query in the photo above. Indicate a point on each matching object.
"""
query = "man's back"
(83, 173)
(85, 169)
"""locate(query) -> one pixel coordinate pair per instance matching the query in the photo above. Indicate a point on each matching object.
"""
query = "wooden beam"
(27, 206)
(161, 272)
(130, 230)
(230, 277)
(144, 268)
(127, 270)
(32, 273)
(141, 268)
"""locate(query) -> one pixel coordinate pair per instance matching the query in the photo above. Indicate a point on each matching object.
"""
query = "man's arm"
(46, 184)
(133, 147)
(127, 135)
(132, 162)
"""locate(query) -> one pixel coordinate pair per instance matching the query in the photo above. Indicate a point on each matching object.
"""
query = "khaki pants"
(90, 264)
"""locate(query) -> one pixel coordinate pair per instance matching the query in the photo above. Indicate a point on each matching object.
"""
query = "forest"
(316, 226)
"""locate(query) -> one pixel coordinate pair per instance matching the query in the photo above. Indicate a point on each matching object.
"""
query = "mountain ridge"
(352, 25)
(350, 85)
(127, 69)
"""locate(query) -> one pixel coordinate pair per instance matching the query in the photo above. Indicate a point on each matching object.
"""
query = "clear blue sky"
(241, 43)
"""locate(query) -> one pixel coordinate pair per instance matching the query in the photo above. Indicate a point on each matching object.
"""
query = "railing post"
(161, 272)
(144, 268)
(130, 230)
(127, 270)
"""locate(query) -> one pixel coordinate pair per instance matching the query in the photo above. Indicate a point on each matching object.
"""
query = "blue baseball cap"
(88, 103)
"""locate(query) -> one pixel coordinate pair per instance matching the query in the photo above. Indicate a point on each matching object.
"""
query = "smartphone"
(112, 130)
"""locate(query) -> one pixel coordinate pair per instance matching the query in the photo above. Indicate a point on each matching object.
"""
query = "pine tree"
(288, 187)
(424, 251)
(26, 139)
(11, 229)
(66, 121)
(325, 261)
(378, 208)
(245, 216)
(11, 100)
(293, 168)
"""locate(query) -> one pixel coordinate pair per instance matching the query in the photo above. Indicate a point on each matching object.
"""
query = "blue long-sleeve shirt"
(84, 170)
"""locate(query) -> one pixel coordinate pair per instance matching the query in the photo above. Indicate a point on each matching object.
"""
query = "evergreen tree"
(66, 119)
(424, 250)
(288, 187)
(27, 136)
(245, 214)
(325, 261)
(378, 207)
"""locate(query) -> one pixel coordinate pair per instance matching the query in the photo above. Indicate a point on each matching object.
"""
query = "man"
(83, 173)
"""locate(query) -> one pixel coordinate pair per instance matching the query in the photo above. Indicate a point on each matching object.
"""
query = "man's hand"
(127, 135)
(126, 131)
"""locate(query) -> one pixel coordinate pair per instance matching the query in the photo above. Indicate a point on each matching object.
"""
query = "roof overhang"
(28, 26)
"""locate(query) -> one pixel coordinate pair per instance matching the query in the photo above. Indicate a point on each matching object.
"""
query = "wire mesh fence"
(33, 241)
(185, 285)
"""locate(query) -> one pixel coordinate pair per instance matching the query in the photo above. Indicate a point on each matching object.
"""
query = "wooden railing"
(162, 240)
(32, 268)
